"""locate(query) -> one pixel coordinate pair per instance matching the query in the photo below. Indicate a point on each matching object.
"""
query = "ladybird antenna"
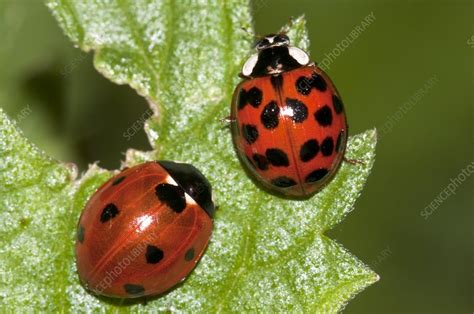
(291, 21)
(251, 33)
(248, 31)
(286, 29)
(256, 37)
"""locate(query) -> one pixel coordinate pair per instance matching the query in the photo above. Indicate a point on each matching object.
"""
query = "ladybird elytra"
(144, 230)
(288, 122)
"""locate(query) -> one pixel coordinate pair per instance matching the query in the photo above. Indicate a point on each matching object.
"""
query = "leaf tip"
(373, 134)
(296, 29)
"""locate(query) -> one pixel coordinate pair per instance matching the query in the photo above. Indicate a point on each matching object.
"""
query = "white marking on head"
(249, 65)
(270, 41)
(299, 55)
(274, 71)
(189, 199)
(169, 179)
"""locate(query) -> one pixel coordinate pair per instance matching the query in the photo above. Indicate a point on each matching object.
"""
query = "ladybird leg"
(353, 162)
(228, 119)
(227, 122)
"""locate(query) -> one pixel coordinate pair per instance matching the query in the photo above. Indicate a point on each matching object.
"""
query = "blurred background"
(405, 67)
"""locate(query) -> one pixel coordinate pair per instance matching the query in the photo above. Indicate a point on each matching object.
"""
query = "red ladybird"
(144, 230)
(288, 122)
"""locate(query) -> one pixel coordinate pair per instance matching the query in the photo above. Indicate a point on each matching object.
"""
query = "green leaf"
(34, 208)
(266, 253)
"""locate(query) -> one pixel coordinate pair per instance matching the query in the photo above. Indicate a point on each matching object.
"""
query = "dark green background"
(425, 264)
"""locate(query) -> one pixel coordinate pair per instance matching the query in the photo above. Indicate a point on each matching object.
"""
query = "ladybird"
(144, 230)
(288, 122)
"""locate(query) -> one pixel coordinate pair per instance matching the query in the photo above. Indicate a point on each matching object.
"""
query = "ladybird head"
(193, 182)
(274, 56)
(272, 40)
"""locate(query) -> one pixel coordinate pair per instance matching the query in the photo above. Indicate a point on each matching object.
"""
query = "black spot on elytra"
(339, 141)
(118, 180)
(270, 115)
(337, 104)
(172, 196)
(242, 99)
(304, 84)
(283, 182)
(277, 157)
(277, 81)
(324, 116)
(189, 256)
(153, 254)
(250, 133)
(309, 150)
(261, 161)
(109, 212)
(327, 146)
(133, 289)
(316, 175)
(254, 97)
(80, 234)
(300, 111)
(318, 82)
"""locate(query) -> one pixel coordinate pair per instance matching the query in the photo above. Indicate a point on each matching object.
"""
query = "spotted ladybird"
(144, 230)
(287, 119)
